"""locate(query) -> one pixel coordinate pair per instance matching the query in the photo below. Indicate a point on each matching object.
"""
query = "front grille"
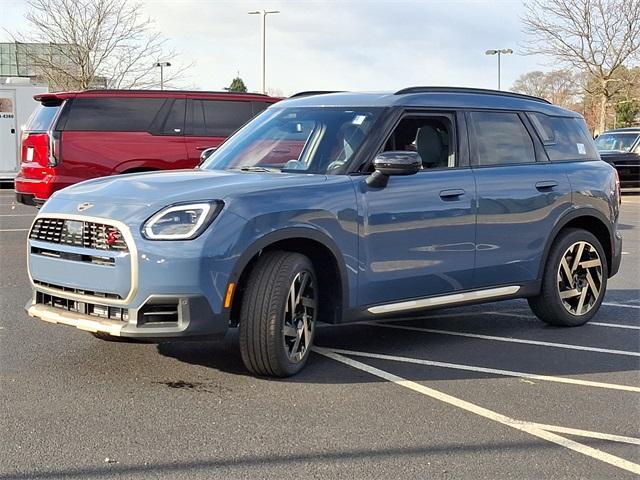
(84, 308)
(78, 291)
(79, 234)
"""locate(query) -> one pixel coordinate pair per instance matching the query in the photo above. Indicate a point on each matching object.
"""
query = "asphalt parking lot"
(476, 392)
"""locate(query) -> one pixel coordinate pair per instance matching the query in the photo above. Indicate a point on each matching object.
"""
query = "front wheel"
(574, 280)
(278, 314)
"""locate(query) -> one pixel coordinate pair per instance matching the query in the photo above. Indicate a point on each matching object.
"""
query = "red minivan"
(75, 136)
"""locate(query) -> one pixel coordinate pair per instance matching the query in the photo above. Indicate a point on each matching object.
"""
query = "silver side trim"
(444, 300)
(82, 322)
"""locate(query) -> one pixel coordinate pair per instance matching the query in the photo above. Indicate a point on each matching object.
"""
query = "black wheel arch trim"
(293, 233)
(564, 220)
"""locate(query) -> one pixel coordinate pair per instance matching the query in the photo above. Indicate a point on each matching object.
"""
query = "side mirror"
(206, 153)
(393, 163)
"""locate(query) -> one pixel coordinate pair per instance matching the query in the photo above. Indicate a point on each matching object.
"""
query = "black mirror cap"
(398, 163)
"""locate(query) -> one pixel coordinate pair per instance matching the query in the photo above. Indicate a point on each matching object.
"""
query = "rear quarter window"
(564, 138)
(42, 118)
(126, 114)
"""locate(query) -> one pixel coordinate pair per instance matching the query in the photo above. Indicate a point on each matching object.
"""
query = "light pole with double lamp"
(263, 14)
(162, 65)
(504, 51)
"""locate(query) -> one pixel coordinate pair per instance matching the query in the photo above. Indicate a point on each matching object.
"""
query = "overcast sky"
(337, 45)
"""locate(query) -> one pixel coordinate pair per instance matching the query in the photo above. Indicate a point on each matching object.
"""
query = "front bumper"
(153, 290)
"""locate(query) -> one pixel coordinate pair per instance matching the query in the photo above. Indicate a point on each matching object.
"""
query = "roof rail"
(481, 91)
(149, 90)
(314, 92)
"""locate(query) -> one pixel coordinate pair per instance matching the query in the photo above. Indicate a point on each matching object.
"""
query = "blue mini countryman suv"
(338, 207)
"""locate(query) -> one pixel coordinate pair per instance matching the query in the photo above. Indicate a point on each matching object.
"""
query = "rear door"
(520, 196)
(8, 134)
(211, 121)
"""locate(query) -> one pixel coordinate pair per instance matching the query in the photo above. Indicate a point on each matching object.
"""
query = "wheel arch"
(324, 255)
(588, 219)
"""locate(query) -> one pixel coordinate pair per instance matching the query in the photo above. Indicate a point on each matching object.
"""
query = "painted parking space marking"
(507, 339)
(492, 371)
(14, 230)
(590, 434)
(621, 305)
(533, 318)
(534, 429)
(18, 215)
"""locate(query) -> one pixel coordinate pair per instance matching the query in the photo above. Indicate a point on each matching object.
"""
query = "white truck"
(16, 105)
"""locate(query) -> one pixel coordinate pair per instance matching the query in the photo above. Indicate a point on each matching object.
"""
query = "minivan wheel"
(278, 314)
(574, 280)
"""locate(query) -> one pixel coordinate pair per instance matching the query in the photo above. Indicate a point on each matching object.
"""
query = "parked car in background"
(338, 208)
(75, 136)
(621, 148)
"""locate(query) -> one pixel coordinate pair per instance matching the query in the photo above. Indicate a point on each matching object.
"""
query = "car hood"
(119, 197)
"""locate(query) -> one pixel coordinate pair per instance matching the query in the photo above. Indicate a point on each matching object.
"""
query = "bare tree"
(595, 37)
(559, 87)
(95, 43)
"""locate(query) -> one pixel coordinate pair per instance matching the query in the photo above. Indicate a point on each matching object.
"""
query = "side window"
(222, 118)
(174, 122)
(259, 107)
(501, 139)
(564, 138)
(431, 136)
(195, 118)
(122, 114)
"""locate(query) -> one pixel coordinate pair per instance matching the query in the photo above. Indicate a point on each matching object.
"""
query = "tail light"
(35, 148)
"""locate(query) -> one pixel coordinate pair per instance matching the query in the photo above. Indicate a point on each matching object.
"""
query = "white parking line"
(19, 215)
(508, 339)
(621, 305)
(528, 427)
(590, 434)
(533, 318)
(493, 371)
(15, 230)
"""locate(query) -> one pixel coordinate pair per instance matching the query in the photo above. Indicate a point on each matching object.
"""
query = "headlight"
(181, 222)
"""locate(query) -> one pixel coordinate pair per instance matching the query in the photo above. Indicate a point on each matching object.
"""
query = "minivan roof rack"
(150, 90)
(481, 91)
(314, 92)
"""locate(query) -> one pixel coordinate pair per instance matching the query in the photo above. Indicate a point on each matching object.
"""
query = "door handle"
(546, 185)
(202, 148)
(452, 193)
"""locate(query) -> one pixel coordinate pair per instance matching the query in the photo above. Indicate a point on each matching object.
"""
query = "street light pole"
(504, 51)
(263, 14)
(162, 65)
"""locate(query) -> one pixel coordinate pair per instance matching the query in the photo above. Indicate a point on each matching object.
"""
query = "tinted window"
(501, 138)
(113, 114)
(564, 138)
(42, 118)
(222, 118)
(260, 106)
(174, 123)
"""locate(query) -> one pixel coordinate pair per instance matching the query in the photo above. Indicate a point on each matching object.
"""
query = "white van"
(16, 106)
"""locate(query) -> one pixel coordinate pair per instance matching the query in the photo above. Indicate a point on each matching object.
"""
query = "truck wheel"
(278, 314)
(574, 280)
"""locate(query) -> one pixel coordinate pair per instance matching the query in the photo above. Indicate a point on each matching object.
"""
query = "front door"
(8, 133)
(417, 233)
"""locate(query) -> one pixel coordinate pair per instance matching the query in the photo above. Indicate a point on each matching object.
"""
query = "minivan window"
(501, 139)
(42, 118)
(222, 118)
(564, 138)
(174, 123)
(123, 114)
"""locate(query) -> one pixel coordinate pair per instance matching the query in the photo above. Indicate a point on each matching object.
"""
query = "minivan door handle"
(546, 185)
(452, 194)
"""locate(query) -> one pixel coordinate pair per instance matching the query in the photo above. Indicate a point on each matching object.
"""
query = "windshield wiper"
(253, 168)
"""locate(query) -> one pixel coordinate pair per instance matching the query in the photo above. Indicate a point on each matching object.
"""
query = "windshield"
(616, 142)
(304, 140)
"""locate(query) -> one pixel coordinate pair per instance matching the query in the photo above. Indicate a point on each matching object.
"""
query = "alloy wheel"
(580, 278)
(299, 316)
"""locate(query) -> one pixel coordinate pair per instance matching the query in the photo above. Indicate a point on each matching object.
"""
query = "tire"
(272, 341)
(572, 292)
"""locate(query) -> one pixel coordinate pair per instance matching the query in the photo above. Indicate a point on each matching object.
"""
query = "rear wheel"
(278, 314)
(574, 280)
